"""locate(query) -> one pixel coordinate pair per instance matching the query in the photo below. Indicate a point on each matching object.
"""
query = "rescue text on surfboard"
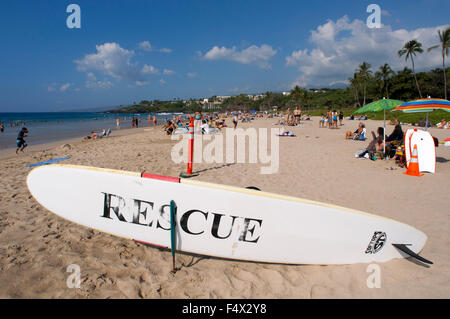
(146, 213)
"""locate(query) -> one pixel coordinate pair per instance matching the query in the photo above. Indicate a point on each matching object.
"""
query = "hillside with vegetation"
(368, 84)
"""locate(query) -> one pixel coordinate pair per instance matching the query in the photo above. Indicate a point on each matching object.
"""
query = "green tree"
(384, 73)
(409, 50)
(444, 38)
(364, 72)
(354, 85)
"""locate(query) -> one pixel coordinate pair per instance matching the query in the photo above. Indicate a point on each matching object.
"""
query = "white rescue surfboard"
(426, 149)
(217, 220)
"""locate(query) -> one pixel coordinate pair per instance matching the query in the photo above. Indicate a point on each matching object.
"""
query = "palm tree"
(364, 72)
(384, 73)
(444, 37)
(409, 50)
(355, 85)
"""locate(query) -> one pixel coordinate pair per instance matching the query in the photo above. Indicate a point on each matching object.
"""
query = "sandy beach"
(36, 246)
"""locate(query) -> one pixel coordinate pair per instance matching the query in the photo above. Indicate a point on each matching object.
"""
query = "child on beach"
(21, 144)
(322, 121)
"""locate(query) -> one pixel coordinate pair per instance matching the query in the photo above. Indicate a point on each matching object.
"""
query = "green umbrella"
(380, 105)
(377, 106)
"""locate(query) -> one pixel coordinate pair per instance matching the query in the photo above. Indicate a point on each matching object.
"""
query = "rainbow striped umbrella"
(423, 105)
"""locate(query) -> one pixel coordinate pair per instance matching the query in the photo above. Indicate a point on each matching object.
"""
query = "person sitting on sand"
(441, 124)
(353, 135)
(394, 140)
(169, 127)
(376, 145)
(396, 135)
(93, 136)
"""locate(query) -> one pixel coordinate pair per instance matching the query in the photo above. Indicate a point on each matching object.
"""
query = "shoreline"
(46, 146)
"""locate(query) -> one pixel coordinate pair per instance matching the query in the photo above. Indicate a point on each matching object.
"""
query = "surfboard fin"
(253, 187)
(406, 250)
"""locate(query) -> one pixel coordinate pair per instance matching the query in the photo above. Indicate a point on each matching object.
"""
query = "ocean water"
(56, 126)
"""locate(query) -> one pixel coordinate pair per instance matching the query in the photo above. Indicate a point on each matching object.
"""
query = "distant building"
(222, 97)
(259, 96)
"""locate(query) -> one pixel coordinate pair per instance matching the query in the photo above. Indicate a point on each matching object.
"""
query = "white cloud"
(149, 69)
(141, 83)
(64, 87)
(385, 13)
(191, 74)
(53, 87)
(251, 55)
(92, 82)
(338, 48)
(168, 72)
(145, 45)
(162, 81)
(112, 60)
(115, 62)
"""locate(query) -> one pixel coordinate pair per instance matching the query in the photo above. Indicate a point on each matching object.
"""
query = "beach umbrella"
(381, 105)
(423, 105)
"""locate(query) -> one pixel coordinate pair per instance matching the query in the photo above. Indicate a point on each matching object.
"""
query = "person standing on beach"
(341, 117)
(149, 119)
(329, 118)
(235, 121)
(155, 120)
(21, 144)
(2, 128)
(118, 123)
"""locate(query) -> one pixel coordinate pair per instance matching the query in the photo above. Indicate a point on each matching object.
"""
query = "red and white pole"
(191, 147)
(190, 159)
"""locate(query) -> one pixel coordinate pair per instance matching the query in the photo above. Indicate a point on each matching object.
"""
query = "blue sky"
(132, 50)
